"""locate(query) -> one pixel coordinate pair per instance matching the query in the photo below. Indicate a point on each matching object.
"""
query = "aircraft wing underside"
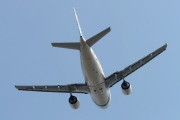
(119, 75)
(71, 88)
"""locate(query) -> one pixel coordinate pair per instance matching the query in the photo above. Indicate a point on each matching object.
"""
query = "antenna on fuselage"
(79, 27)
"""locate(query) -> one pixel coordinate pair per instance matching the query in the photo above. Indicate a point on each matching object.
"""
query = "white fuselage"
(94, 75)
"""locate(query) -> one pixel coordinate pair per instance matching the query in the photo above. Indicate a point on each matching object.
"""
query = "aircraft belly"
(94, 77)
(91, 67)
(100, 95)
(93, 73)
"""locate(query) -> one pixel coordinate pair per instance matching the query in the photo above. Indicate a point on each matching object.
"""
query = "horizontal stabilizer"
(70, 45)
(91, 41)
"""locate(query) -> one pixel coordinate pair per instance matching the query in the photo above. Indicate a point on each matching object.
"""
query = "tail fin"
(79, 27)
(76, 45)
(70, 45)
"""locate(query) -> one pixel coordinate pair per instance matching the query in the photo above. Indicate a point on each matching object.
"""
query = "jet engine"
(74, 102)
(126, 88)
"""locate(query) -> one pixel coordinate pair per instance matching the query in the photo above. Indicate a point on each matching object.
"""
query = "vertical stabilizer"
(79, 27)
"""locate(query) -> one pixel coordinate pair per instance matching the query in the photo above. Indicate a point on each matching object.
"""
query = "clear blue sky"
(138, 27)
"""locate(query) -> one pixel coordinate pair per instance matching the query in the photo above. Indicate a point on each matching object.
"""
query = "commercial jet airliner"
(96, 83)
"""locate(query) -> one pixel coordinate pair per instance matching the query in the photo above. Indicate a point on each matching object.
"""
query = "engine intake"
(74, 102)
(126, 88)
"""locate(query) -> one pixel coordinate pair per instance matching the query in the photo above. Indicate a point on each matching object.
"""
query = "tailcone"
(82, 40)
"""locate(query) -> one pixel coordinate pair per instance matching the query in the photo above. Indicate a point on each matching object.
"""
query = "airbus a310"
(96, 83)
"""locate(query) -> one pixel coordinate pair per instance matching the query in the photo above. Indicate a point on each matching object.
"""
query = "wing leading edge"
(71, 88)
(119, 75)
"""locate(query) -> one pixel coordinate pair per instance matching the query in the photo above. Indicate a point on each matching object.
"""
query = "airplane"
(96, 84)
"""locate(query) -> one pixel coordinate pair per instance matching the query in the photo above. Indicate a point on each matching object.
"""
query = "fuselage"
(94, 75)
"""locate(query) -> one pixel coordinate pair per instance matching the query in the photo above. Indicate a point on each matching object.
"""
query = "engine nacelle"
(74, 102)
(126, 88)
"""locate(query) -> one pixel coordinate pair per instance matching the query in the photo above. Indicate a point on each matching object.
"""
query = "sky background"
(138, 27)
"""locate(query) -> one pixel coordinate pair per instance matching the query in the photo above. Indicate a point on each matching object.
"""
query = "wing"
(71, 88)
(119, 75)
